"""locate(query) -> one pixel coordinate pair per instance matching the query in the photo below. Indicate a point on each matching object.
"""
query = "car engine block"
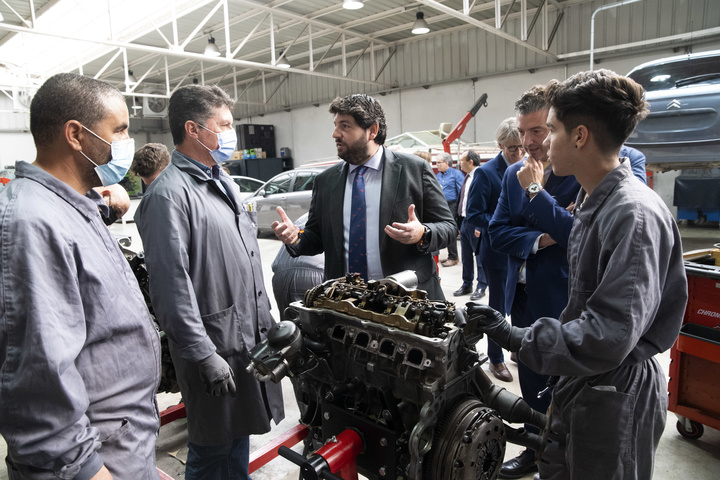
(400, 370)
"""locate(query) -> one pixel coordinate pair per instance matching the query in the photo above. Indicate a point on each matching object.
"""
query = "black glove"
(217, 376)
(494, 324)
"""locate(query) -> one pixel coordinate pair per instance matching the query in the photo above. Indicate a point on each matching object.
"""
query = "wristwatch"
(532, 189)
(425, 239)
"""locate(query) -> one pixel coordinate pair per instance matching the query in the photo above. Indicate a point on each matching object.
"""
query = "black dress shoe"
(465, 290)
(477, 294)
(519, 466)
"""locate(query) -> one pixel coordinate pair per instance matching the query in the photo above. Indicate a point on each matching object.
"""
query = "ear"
(374, 128)
(73, 133)
(581, 135)
(191, 129)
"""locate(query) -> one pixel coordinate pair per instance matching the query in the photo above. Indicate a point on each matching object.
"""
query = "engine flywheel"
(468, 445)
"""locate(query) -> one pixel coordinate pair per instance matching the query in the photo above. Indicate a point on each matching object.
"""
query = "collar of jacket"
(604, 189)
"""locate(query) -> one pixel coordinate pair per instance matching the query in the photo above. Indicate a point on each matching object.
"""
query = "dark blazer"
(482, 200)
(406, 180)
(518, 222)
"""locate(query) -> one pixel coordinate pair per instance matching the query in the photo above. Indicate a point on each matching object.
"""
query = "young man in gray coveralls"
(627, 293)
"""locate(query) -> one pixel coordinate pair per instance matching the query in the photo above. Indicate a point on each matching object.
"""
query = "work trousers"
(222, 462)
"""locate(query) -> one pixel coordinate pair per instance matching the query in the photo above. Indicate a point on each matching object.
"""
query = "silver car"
(248, 185)
(291, 190)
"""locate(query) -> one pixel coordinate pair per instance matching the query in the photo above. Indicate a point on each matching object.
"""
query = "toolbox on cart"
(694, 385)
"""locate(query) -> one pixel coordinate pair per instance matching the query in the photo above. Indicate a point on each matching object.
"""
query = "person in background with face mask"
(78, 350)
(206, 286)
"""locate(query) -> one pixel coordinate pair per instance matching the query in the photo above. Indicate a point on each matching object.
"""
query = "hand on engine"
(494, 324)
(217, 376)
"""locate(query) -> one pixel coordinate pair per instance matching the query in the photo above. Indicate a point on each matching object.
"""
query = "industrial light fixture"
(212, 50)
(131, 78)
(282, 62)
(420, 26)
(352, 4)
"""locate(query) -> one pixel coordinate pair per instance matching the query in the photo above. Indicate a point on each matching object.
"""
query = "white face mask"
(227, 140)
(122, 152)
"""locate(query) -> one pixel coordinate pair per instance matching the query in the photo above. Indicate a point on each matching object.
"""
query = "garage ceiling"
(163, 41)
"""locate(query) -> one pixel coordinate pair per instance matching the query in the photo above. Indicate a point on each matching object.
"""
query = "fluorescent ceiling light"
(352, 4)
(420, 26)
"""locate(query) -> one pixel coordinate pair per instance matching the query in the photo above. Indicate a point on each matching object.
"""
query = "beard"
(356, 153)
(98, 155)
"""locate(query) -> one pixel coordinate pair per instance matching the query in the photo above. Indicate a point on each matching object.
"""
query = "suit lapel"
(388, 191)
(335, 201)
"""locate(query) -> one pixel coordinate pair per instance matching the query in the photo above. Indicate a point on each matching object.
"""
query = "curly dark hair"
(533, 100)
(608, 104)
(149, 159)
(64, 97)
(365, 110)
(196, 103)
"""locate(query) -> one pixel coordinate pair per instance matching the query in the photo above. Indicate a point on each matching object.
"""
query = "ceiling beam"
(181, 54)
(480, 24)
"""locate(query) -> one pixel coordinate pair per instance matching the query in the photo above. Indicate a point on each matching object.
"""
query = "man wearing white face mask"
(78, 350)
(206, 286)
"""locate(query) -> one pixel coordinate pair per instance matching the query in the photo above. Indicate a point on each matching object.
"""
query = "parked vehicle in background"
(682, 130)
(291, 190)
(247, 185)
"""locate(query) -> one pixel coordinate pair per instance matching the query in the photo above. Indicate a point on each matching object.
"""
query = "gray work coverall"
(79, 354)
(628, 292)
(207, 290)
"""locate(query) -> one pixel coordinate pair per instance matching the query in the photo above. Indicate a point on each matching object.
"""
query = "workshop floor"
(676, 458)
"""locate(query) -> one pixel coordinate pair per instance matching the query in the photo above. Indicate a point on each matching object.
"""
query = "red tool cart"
(694, 384)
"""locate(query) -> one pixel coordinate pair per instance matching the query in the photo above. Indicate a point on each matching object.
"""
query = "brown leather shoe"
(501, 372)
(449, 263)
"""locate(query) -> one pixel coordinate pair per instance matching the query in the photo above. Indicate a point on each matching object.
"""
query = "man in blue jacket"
(451, 181)
(531, 226)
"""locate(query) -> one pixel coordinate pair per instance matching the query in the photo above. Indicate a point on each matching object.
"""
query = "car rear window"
(693, 71)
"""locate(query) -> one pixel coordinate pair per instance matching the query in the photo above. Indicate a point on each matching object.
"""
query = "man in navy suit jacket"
(407, 215)
(531, 226)
(482, 200)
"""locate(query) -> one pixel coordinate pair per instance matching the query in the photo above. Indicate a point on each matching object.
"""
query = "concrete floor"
(676, 457)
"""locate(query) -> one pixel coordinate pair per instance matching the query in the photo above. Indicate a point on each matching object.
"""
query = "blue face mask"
(227, 140)
(122, 152)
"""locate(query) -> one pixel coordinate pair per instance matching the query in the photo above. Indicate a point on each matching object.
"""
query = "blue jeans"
(222, 462)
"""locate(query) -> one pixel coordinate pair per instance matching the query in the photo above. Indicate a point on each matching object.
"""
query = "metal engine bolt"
(383, 442)
(382, 471)
(467, 439)
(327, 415)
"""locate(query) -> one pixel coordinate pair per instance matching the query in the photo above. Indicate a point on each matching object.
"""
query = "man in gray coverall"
(627, 297)
(206, 286)
(79, 355)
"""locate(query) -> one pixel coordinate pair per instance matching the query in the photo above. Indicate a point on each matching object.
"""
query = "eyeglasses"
(513, 148)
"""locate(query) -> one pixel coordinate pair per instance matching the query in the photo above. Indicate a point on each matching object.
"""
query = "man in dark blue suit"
(469, 243)
(531, 225)
(482, 200)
